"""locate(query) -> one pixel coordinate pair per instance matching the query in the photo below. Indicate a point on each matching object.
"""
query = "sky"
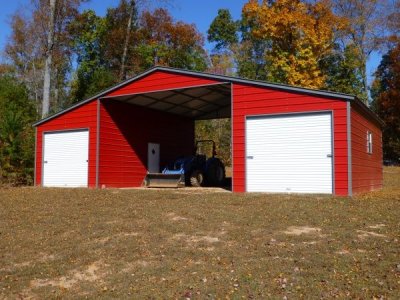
(201, 13)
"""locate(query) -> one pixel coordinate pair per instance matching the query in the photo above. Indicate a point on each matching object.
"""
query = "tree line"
(58, 54)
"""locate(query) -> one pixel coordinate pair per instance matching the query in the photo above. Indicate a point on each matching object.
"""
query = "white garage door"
(65, 161)
(289, 153)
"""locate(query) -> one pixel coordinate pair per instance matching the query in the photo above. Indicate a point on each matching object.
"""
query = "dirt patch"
(135, 265)
(102, 240)
(174, 217)
(23, 264)
(91, 274)
(106, 239)
(299, 230)
(343, 252)
(206, 238)
(196, 238)
(201, 190)
(112, 222)
(184, 190)
(377, 226)
(178, 218)
(367, 234)
(44, 257)
(127, 234)
(310, 243)
(41, 258)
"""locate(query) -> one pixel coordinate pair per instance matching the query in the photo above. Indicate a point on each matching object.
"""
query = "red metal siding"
(159, 81)
(367, 169)
(249, 100)
(126, 130)
(84, 116)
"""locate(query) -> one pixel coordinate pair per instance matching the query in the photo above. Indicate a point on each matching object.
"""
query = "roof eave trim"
(368, 111)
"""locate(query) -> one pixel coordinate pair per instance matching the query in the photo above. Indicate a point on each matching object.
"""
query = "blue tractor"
(194, 170)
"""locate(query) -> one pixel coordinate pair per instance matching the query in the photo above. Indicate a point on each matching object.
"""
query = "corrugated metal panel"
(126, 130)
(66, 157)
(291, 153)
(161, 81)
(367, 170)
(251, 101)
(83, 117)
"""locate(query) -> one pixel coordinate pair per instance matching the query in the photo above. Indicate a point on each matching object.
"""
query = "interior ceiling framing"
(199, 103)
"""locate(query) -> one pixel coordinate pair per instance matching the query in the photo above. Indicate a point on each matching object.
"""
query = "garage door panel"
(65, 162)
(299, 127)
(289, 153)
(295, 189)
(314, 153)
(295, 143)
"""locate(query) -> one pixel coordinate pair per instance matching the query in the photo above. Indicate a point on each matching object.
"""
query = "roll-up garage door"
(65, 159)
(289, 153)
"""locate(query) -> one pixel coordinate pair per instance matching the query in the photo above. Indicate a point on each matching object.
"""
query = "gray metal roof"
(204, 113)
(209, 101)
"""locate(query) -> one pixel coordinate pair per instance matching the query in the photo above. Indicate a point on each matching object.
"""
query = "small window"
(369, 142)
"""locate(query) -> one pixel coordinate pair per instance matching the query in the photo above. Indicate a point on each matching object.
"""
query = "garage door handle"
(329, 155)
(45, 162)
(250, 157)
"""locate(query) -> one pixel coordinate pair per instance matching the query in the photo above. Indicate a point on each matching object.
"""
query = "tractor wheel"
(197, 178)
(216, 173)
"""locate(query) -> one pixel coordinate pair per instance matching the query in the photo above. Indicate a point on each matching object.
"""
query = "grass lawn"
(198, 244)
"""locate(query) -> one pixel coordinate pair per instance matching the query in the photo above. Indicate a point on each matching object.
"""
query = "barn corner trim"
(97, 142)
(224, 78)
(349, 152)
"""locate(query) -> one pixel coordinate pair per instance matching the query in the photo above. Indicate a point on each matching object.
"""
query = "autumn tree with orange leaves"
(164, 41)
(300, 33)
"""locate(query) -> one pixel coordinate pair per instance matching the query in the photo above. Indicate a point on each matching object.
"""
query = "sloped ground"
(58, 243)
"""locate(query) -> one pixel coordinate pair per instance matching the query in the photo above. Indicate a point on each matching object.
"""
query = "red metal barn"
(284, 138)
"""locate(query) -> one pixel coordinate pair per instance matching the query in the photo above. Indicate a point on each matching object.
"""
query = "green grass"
(77, 243)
